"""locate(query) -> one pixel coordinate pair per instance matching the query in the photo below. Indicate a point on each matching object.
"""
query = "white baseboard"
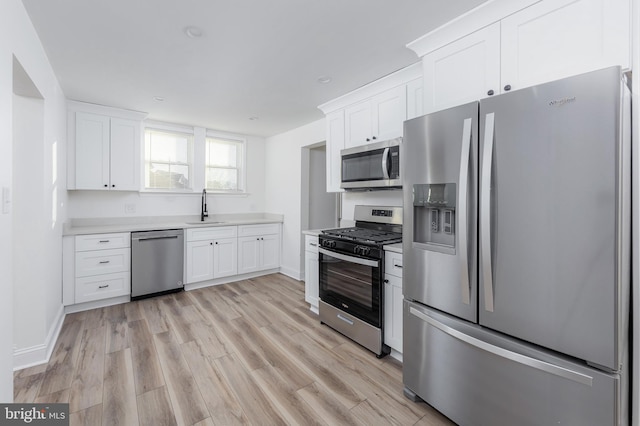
(39, 354)
(231, 279)
(296, 275)
(395, 354)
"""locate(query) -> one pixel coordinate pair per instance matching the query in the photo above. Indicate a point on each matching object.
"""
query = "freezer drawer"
(477, 377)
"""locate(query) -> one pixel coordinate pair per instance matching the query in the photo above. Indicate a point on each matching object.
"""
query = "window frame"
(240, 142)
(170, 130)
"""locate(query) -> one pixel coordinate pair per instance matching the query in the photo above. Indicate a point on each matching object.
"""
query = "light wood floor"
(249, 352)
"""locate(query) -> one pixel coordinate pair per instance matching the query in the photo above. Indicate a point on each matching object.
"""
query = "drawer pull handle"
(103, 241)
(397, 266)
(104, 261)
(103, 286)
(313, 244)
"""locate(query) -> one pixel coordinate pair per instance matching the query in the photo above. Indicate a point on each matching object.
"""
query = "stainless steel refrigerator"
(516, 252)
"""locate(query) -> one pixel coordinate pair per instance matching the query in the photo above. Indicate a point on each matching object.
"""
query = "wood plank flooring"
(247, 353)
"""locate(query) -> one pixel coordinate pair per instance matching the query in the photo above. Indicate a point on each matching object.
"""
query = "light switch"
(6, 200)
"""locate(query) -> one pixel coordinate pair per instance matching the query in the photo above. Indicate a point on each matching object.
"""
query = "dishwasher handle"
(154, 238)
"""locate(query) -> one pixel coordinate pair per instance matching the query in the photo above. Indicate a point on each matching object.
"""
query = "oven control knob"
(361, 250)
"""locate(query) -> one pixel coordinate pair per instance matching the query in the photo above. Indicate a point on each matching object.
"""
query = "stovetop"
(365, 235)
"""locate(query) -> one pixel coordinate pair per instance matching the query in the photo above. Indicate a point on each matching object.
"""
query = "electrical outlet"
(129, 208)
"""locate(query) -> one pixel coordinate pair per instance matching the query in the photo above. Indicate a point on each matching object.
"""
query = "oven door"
(352, 284)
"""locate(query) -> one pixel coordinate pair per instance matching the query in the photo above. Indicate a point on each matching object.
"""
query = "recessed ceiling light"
(324, 79)
(254, 118)
(158, 98)
(193, 32)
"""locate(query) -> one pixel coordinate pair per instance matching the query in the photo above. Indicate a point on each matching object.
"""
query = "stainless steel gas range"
(352, 273)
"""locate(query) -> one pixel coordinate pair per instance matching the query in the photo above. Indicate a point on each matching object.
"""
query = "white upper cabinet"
(335, 143)
(125, 154)
(104, 150)
(463, 71)
(545, 41)
(376, 119)
(92, 151)
(559, 38)
(415, 98)
(372, 113)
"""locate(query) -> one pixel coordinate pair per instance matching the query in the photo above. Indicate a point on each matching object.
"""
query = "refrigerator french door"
(548, 339)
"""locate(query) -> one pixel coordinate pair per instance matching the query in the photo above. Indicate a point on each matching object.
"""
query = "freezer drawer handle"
(485, 212)
(462, 215)
(503, 353)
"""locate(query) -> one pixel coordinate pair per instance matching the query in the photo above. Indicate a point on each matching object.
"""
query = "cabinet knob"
(367, 139)
(216, 243)
(113, 186)
(374, 138)
(490, 93)
(106, 186)
(386, 281)
(210, 244)
(507, 87)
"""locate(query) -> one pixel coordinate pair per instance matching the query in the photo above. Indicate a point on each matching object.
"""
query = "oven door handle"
(359, 261)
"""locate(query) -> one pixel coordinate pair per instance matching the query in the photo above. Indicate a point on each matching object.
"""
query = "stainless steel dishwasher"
(156, 262)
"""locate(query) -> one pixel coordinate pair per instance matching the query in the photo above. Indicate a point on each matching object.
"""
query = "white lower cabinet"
(258, 247)
(211, 253)
(101, 267)
(311, 272)
(393, 301)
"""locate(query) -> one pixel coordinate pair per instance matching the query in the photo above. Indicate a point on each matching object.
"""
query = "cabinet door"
(270, 251)
(248, 254)
(415, 98)
(225, 257)
(311, 280)
(462, 71)
(92, 151)
(558, 38)
(389, 110)
(357, 124)
(125, 155)
(393, 312)
(335, 143)
(199, 261)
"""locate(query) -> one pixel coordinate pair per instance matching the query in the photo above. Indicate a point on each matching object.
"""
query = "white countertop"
(312, 232)
(397, 247)
(81, 226)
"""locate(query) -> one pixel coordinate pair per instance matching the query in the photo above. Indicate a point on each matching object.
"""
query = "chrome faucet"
(203, 209)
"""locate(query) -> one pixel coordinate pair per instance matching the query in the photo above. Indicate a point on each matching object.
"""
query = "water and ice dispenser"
(434, 214)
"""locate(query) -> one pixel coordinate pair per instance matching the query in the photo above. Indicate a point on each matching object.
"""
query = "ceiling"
(255, 58)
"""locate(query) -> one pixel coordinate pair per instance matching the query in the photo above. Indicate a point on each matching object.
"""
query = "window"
(224, 165)
(167, 160)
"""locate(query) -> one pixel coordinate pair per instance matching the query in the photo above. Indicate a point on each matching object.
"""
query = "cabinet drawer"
(311, 243)
(103, 241)
(393, 263)
(97, 262)
(213, 233)
(262, 229)
(102, 286)
(393, 280)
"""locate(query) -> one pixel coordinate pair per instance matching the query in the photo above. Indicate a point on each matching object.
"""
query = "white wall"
(93, 204)
(18, 37)
(283, 177)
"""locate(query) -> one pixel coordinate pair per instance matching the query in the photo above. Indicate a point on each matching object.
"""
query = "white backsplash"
(391, 197)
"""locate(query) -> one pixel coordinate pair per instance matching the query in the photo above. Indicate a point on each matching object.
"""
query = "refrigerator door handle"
(462, 211)
(504, 353)
(485, 212)
(385, 163)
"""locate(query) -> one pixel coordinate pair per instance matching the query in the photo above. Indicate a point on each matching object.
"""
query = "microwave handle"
(385, 163)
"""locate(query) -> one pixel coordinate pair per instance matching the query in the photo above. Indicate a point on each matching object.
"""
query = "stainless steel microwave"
(371, 166)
